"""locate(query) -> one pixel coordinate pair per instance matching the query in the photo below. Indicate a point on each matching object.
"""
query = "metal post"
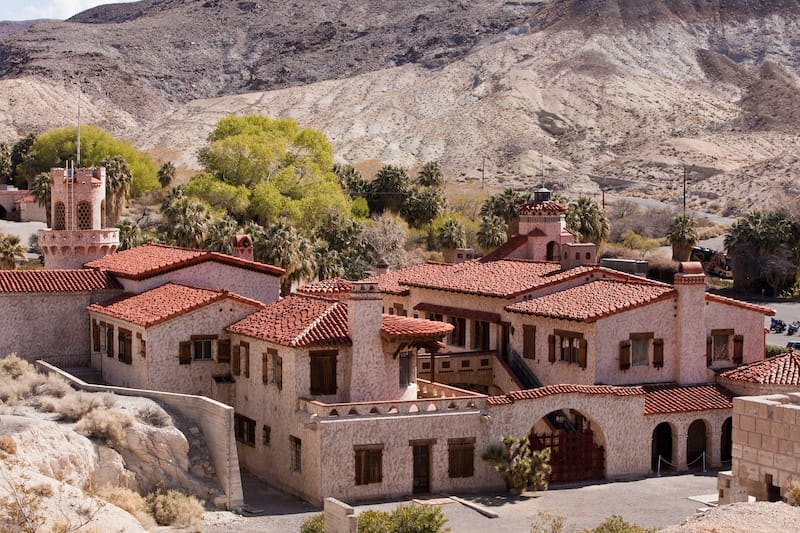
(684, 190)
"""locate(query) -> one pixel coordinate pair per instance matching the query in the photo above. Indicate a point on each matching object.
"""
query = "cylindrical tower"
(77, 207)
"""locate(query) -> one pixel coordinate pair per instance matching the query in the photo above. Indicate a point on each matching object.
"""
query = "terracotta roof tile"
(549, 390)
(298, 320)
(401, 326)
(390, 282)
(782, 369)
(162, 303)
(151, 260)
(665, 399)
(738, 303)
(594, 300)
(28, 281)
(474, 314)
(331, 287)
(505, 249)
(540, 207)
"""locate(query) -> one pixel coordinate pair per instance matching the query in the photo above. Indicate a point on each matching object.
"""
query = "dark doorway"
(574, 453)
(504, 341)
(661, 447)
(696, 444)
(553, 252)
(726, 441)
(773, 491)
(3, 213)
(422, 468)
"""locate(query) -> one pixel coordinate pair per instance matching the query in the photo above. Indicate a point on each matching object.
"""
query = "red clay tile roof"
(594, 300)
(505, 249)
(28, 281)
(390, 282)
(665, 399)
(549, 390)
(486, 316)
(539, 207)
(782, 369)
(331, 287)
(400, 326)
(298, 320)
(738, 303)
(162, 303)
(151, 260)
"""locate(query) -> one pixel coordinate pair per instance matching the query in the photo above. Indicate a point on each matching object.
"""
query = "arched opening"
(553, 252)
(3, 213)
(59, 216)
(696, 444)
(577, 446)
(84, 215)
(661, 447)
(726, 441)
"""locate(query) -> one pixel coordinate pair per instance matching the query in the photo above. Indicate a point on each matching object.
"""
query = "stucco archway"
(553, 251)
(661, 447)
(696, 443)
(726, 441)
(576, 442)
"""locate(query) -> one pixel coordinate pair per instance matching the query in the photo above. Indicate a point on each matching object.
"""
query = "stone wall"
(766, 443)
(215, 419)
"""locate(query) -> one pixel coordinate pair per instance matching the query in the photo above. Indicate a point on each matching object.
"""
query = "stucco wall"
(744, 322)
(213, 275)
(37, 325)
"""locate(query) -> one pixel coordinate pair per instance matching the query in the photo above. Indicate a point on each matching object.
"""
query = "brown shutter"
(624, 355)
(551, 348)
(658, 353)
(95, 336)
(264, 369)
(529, 342)
(279, 371)
(236, 364)
(584, 345)
(224, 351)
(709, 348)
(185, 353)
(738, 349)
(244, 358)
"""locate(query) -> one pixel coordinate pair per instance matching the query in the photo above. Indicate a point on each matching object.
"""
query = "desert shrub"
(615, 524)
(173, 508)
(13, 367)
(771, 350)
(374, 522)
(547, 523)
(415, 518)
(154, 415)
(53, 385)
(314, 524)
(73, 407)
(104, 424)
(7, 445)
(18, 379)
(129, 501)
(793, 494)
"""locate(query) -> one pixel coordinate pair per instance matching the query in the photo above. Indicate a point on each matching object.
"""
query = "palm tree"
(186, 222)
(286, 248)
(10, 251)
(587, 221)
(221, 233)
(130, 235)
(506, 206)
(492, 232)
(422, 205)
(431, 175)
(682, 236)
(118, 186)
(40, 189)
(389, 189)
(451, 235)
(166, 174)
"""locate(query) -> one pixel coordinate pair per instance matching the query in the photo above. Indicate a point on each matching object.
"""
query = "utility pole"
(684, 189)
(483, 173)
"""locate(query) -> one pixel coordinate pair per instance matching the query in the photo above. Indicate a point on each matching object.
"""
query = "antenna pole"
(79, 124)
(684, 189)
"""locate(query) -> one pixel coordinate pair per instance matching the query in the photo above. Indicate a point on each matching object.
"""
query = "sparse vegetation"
(75, 406)
(173, 508)
(130, 501)
(793, 494)
(521, 467)
(550, 523)
(154, 415)
(104, 425)
(411, 518)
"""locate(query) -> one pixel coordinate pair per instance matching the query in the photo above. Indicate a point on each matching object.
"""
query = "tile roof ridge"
(739, 303)
(296, 341)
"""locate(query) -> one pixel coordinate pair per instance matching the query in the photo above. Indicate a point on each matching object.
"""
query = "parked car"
(794, 345)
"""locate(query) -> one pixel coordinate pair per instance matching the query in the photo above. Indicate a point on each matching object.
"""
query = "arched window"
(84, 215)
(59, 216)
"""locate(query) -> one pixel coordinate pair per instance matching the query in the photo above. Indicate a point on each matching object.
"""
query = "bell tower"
(77, 204)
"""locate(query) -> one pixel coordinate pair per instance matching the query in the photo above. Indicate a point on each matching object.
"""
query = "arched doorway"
(553, 251)
(577, 446)
(3, 213)
(726, 441)
(696, 444)
(661, 447)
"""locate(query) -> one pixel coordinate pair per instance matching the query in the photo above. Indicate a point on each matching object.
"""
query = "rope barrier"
(661, 459)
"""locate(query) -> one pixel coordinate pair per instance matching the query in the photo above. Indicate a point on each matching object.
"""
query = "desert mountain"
(599, 91)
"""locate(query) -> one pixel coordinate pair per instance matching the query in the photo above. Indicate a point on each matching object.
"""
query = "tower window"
(84, 215)
(59, 216)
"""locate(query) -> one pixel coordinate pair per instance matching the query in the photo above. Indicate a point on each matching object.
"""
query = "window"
(484, 362)
(465, 363)
(296, 454)
(201, 350)
(265, 368)
(399, 309)
(125, 346)
(277, 368)
(405, 369)
(84, 215)
(109, 340)
(59, 216)
(640, 348)
(142, 346)
(436, 317)
(461, 457)
(244, 429)
(369, 464)
(568, 347)
(244, 354)
(323, 372)
(458, 337)
(721, 340)
(224, 351)
(480, 335)
(529, 342)
(266, 434)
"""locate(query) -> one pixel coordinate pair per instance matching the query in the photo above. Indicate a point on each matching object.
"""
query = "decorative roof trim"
(738, 303)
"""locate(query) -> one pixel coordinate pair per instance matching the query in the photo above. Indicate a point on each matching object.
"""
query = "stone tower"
(78, 211)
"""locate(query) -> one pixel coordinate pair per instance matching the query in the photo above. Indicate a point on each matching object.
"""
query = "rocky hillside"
(632, 90)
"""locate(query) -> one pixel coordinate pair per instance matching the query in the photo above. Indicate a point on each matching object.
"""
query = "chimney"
(464, 254)
(381, 267)
(242, 247)
(691, 329)
(368, 366)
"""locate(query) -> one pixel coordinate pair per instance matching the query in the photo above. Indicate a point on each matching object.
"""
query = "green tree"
(166, 174)
(186, 222)
(431, 175)
(450, 235)
(587, 221)
(389, 189)
(118, 186)
(422, 205)
(220, 235)
(492, 232)
(281, 245)
(682, 236)
(130, 234)
(506, 206)
(40, 190)
(522, 469)
(219, 194)
(351, 181)
(10, 251)
(56, 147)
(20, 161)
(6, 170)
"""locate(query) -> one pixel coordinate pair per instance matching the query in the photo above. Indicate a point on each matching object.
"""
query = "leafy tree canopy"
(56, 147)
(236, 199)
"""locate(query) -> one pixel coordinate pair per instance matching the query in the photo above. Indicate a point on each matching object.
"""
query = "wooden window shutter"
(624, 355)
(235, 364)
(95, 336)
(529, 342)
(709, 348)
(224, 351)
(244, 358)
(738, 349)
(185, 353)
(658, 353)
(551, 348)
(264, 368)
(584, 346)
(279, 371)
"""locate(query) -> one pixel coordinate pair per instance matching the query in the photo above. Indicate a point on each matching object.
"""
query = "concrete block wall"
(215, 418)
(339, 517)
(766, 442)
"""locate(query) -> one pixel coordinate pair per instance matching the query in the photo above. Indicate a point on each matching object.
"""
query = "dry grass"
(173, 508)
(793, 494)
(129, 501)
(73, 407)
(8, 446)
(105, 425)
(20, 382)
(154, 415)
